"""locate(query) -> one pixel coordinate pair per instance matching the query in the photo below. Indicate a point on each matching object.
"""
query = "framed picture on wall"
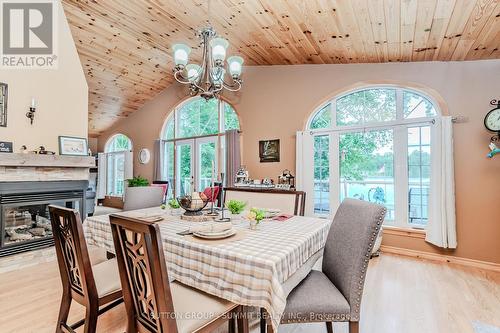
(3, 104)
(269, 150)
(69, 145)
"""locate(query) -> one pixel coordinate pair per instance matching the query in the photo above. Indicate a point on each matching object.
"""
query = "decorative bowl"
(193, 205)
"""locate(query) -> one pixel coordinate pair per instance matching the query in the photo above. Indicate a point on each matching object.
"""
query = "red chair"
(208, 193)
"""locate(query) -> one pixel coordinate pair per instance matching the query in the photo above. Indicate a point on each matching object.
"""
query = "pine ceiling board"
(125, 47)
(461, 12)
(423, 26)
(408, 21)
(365, 27)
(475, 24)
(392, 10)
(487, 40)
(442, 15)
(342, 14)
(378, 24)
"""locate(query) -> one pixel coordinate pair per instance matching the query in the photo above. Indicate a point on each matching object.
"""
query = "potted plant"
(255, 216)
(175, 207)
(137, 182)
(235, 207)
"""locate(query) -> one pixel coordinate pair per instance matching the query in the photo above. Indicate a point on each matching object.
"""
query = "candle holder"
(31, 114)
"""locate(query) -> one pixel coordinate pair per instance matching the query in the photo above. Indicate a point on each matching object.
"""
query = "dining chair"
(154, 304)
(96, 287)
(334, 294)
(208, 193)
(142, 197)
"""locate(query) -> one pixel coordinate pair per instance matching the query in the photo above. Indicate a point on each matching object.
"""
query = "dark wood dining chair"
(334, 294)
(95, 287)
(153, 303)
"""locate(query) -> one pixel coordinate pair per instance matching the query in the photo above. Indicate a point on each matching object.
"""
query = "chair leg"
(91, 318)
(231, 325)
(63, 312)
(262, 321)
(329, 327)
(243, 320)
(353, 327)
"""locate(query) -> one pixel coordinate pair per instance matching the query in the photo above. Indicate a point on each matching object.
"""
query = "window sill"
(405, 232)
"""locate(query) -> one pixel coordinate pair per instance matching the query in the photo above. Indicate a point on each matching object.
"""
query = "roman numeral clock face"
(492, 120)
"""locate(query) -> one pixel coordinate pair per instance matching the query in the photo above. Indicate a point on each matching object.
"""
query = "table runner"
(247, 272)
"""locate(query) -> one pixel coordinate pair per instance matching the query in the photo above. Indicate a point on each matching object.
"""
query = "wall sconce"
(31, 113)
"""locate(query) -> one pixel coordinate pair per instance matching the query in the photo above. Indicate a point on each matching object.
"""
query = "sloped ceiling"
(124, 46)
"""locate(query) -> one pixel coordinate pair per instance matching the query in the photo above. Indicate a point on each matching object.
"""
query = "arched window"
(375, 144)
(192, 139)
(116, 150)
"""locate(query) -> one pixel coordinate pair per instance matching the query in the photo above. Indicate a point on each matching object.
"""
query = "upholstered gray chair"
(142, 197)
(335, 293)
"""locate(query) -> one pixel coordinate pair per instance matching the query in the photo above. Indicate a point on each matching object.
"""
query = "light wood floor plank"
(401, 295)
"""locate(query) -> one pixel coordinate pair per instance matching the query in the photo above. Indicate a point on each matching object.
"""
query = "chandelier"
(207, 79)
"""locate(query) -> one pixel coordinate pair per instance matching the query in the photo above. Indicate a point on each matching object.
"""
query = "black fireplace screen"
(24, 216)
(28, 222)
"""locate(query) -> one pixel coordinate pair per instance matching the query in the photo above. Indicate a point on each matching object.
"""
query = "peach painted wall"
(276, 102)
(61, 95)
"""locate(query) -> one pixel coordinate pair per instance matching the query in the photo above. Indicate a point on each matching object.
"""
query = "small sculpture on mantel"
(23, 149)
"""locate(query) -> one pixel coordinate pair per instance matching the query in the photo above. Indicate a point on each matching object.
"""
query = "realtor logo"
(28, 34)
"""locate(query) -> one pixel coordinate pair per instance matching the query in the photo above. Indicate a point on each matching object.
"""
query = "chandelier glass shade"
(208, 78)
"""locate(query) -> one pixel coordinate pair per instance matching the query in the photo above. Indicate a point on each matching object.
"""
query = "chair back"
(143, 275)
(72, 254)
(289, 202)
(208, 193)
(142, 197)
(348, 248)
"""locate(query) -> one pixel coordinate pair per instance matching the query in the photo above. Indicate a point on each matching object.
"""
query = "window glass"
(231, 120)
(118, 142)
(367, 106)
(198, 117)
(419, 174)
(417, 106)
(322, 119)
(322, 174)
(367, 167)
(169, 129)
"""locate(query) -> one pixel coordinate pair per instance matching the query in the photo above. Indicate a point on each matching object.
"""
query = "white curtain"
(102, 161)
(304, 168)
(159, 158)
(129, 165)
(441, 228)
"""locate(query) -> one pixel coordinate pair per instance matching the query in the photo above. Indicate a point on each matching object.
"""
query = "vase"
(236, 217)
(253, 225)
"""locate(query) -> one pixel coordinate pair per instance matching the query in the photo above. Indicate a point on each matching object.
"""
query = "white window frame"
(113, 155)
(400, 147)
(219, 141)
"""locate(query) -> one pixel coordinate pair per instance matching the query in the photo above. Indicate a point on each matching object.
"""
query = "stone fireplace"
(28, 185)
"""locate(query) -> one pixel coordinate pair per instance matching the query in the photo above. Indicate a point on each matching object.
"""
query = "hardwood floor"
(401, 295)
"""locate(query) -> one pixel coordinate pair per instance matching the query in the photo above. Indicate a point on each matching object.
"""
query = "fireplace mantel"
(34, 167)
(50, 161)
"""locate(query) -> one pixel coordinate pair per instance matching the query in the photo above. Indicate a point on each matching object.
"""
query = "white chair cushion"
(97, 255)
(195, 309)
(107, 277)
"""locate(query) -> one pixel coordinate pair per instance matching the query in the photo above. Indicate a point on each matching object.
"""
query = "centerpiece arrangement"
(193, 204)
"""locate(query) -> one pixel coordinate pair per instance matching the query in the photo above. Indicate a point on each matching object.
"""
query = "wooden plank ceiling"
(124, 46)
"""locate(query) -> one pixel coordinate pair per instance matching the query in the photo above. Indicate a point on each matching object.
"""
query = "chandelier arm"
(181, 79)
(232, 87)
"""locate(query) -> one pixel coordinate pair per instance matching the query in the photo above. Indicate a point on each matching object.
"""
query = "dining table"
(259, 268)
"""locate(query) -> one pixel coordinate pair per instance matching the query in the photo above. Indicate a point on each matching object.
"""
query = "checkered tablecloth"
(249, 271)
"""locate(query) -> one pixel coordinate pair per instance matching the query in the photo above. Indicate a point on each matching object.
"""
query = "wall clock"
(492, 119)
(144, 156)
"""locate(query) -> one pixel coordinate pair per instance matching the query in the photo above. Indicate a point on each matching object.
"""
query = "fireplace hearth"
(24, 215)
